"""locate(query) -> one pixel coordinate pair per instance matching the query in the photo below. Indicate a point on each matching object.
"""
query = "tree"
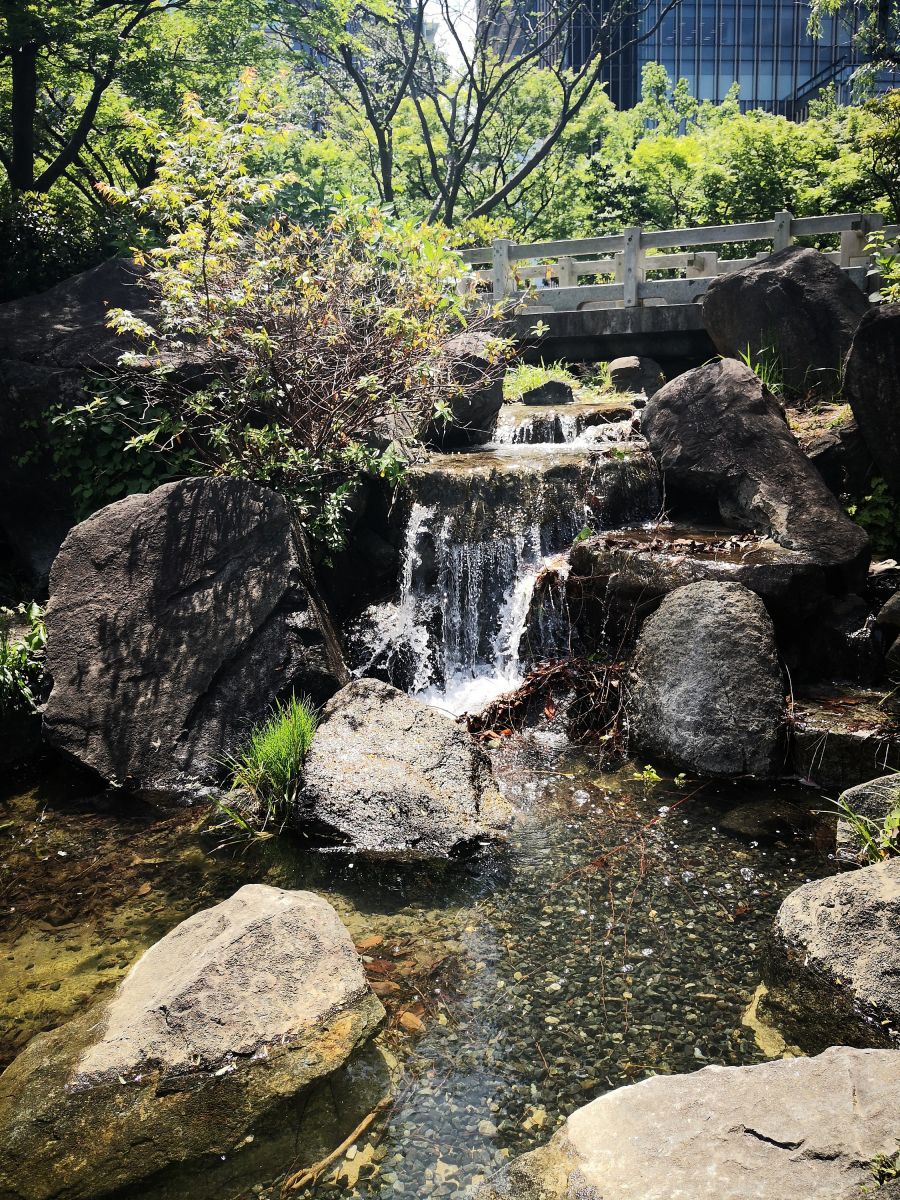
(69, 69)
(875, 25)
(461, 103)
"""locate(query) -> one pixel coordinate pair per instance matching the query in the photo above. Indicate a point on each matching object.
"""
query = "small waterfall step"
(478, 526)
(580, 421)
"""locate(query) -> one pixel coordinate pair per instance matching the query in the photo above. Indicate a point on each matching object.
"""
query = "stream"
(618, 935)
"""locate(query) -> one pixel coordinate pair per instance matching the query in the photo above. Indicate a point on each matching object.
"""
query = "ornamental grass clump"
(269, 769)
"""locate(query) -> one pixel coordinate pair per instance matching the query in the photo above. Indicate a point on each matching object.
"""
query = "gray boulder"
(872, 801)
(636, 373)
(872, 386)
(803, 1127)
(889, 613)
(554, 391)
(833, 967)
(238, 1010)
(392, 776)
(480, 378)
(705, 690)
(175, 620)
(722, 442)
(797, 306)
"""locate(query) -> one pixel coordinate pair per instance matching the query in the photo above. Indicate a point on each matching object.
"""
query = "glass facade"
(763, 45)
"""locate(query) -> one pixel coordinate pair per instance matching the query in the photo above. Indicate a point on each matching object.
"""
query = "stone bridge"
(636, 292)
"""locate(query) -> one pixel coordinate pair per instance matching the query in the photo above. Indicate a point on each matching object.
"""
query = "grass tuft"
(269, 769)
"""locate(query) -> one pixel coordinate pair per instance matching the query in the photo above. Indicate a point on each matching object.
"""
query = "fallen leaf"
(411, 1023)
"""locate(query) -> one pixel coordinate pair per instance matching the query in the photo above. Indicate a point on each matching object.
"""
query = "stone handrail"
(548, 276)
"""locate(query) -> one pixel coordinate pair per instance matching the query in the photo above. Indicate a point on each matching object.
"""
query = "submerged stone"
(392, 776)
(706, 691)
(833, 968)
(236, 1011)
(803, 1127)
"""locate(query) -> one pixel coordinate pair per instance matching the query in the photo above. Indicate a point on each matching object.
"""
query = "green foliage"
(317, 344)
(86, 444)
(766, 365)
(648, 776)
(888, 261)
(878, 839)
(49, 237)
(269, 768)
(879, 514)
(23, 638)
(885, 1167)
(524, 377)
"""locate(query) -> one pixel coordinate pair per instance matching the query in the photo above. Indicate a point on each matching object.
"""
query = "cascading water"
(479, 528)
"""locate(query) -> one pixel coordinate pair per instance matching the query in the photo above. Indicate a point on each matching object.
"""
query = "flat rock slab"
(175, 620)
(705, 688)
(392, 776)
(833, 967)
(237, 1009)
(779, 1131)
(843, 737)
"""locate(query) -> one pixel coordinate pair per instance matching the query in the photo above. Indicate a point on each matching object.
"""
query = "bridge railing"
(643, 267)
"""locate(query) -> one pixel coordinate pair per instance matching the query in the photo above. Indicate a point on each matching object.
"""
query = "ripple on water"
(599, 949)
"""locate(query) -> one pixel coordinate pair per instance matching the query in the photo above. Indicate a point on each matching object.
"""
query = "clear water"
(619, 936)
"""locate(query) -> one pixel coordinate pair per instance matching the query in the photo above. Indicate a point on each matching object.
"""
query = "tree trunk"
(24, 107)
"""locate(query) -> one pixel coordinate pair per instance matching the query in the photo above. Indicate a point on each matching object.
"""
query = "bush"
(269, 769)
(879, 514)
(21, 660)
(317, 344)
(47, 238)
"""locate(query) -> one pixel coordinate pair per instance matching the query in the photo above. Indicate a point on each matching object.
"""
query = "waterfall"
(473, 608)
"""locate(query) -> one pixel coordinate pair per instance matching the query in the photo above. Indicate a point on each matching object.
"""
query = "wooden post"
(782, 236)
(566, 272)
(501, 271)
(631, 266)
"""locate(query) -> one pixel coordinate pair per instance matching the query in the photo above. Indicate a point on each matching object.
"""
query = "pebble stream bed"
(620, 935)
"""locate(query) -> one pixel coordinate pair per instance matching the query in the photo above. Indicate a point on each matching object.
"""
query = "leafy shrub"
(879, 514)
(48, 237)
(269, 769)
(318, 344)
(88, 452)
(21, 659)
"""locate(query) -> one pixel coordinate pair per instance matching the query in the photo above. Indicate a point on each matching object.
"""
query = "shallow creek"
(620, 935)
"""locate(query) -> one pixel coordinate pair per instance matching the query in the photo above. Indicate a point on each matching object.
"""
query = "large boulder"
(803, 1127)
(833, 968)
(175, 620)
(872, 386)
(213, 1031)
(392, 776)
(705, 691)
(474, 365)
(636, 373)
(724, 446)
(796, 306)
